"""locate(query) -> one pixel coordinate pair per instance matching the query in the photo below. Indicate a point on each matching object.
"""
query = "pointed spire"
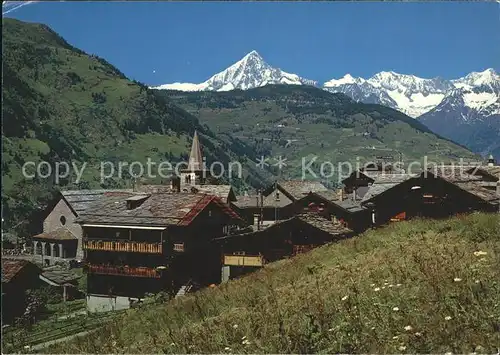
(195, 158)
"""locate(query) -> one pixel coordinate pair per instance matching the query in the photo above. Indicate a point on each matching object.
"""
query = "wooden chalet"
(396, 197)
(17, 277)
(277, 202)
(245, 252)
(140, 244)
(330, 204)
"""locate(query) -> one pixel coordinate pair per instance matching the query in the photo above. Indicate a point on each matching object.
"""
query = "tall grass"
(423, 286)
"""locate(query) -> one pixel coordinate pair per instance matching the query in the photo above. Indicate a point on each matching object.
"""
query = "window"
(62, 220)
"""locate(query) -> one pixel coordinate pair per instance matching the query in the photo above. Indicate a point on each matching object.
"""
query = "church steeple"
(195, 158)
(194, 174)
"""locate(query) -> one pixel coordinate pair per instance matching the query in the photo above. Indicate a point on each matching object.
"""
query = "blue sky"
(164, 42)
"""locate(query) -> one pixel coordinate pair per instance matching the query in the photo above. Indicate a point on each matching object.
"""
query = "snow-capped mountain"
(470, 113)
(414, 96)
(452, 108)
(249, 72)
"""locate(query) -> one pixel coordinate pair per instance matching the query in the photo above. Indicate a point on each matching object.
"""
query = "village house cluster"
(189, 234)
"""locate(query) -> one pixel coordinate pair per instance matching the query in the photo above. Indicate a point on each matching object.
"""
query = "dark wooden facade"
(136, 259)
(427, 195)
(285, 238)
(17, 277)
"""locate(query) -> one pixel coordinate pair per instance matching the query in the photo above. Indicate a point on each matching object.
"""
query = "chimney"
(491, 160)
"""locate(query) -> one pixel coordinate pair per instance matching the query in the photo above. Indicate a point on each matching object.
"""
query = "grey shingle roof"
(300, 188)
(221, 191)
(328, 226)
(454, 173)
(383, 183)
(159, 209)
(58, 234)
(350, 205)
(59, 275)
(475, 188)
(329, 195)
(81, 199)
(251, 202)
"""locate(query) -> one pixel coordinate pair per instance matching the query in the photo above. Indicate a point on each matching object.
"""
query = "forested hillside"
(61, 104)
(298, 122)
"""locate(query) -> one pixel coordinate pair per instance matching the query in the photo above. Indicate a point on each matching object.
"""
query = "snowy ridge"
(479, 91)
(248, 73)
(414, 96)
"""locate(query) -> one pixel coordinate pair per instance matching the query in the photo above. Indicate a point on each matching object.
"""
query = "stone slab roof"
(81, 199)
(56, 235)
(221, 191)
(476, 189)
(159, 209)
(328, 226)
(59, 275)
(383, 183)
(300, 188)
(11, 267)
(251, 202)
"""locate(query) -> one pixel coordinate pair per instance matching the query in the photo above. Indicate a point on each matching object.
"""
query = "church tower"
(195, 173)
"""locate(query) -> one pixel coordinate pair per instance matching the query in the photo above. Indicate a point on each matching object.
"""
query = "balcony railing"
(126, 246)
(123, 271)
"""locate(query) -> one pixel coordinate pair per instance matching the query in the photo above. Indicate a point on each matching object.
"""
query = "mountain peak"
(346, 79)
(249, 72)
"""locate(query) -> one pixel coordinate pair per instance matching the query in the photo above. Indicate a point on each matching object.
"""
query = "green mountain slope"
(416, 287)
(60, 104)
(301, 122)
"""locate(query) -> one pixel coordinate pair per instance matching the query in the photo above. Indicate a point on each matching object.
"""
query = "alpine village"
(101, 257)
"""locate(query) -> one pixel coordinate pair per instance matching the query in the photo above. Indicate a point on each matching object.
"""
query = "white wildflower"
(227, 348)
(480, 253)
(331, 329)
(244, 337)
(390, 286)
(457, 279)
(245, 342)
(344, 298)
(172, 344)
(395, 337)
(395, 309)
(402, 348)
(235, 326)
(448, 353)
(383, 287)
(376, 289)
(447, 318)
(408, 328)
(398, 285)
(372, 285)
(418, 334)
(477, 281)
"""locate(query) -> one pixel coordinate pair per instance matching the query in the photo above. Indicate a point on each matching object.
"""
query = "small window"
(62, 220)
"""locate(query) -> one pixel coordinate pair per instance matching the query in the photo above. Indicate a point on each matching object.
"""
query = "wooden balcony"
(124, 246)
(244, 260)
(123, 271)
